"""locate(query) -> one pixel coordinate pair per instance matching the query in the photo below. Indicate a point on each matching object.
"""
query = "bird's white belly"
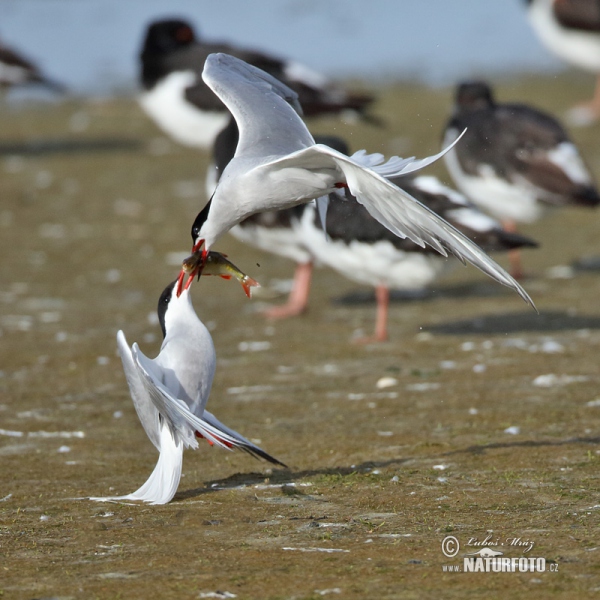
(185, 123)
(580, 48)
(376, 263)
(281, 241)
(498, 197)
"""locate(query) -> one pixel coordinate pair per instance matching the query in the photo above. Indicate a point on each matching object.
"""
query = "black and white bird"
(514, 161)
(571, 30)
(362, 250)
(177, 99)
(278, 165)
(16, 70)
(170, 392)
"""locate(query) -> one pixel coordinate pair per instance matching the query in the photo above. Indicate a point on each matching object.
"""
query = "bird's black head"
(473, 95)
(200, 220)
(167, 35)
(163, 304)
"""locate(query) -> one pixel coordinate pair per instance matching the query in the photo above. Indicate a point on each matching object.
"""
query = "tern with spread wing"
(278, 165)
(170, 394)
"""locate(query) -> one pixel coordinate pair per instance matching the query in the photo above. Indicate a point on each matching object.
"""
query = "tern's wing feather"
(242, 442)
(261, 106)
(146, 411)
(398, 211)
(396, 166)
(176, 412)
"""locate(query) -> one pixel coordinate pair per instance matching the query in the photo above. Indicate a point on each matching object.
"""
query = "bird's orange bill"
(215, 263)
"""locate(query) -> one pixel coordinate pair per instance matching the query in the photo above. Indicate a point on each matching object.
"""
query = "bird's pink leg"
(382, 293)
(383, 304)
(298, 298)
(596, 99)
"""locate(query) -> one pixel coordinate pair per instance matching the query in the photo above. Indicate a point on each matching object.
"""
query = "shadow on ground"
(463, 290)
(517, 322)
(287, 476)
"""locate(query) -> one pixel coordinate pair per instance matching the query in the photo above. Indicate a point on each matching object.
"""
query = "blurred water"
(92, 45)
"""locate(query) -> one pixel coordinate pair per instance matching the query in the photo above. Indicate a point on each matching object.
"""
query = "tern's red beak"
(197, 271)
(180, 282)
(197, 246)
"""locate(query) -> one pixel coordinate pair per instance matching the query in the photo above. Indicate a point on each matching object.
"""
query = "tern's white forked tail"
(162, 484)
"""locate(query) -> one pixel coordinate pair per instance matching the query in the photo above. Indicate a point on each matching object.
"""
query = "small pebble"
(254, 346)
(386, 382)
(448, 364)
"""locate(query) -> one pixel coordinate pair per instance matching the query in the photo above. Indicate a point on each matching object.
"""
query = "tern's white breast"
(373, 263)
(282, 241)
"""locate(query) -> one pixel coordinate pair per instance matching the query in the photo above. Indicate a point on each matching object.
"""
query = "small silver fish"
(217, 264)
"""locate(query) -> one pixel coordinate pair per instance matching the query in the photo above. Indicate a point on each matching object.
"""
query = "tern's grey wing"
(175, 412)
(398, 211)
(146, 411)
(261, 106)
(396, 166)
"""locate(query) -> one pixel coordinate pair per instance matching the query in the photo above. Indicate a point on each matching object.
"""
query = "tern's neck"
(181, 316)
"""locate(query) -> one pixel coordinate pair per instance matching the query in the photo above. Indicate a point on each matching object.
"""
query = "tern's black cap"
(163, 304)
(200, 220)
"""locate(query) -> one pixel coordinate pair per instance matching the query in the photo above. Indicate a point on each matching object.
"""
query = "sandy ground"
(489, 427)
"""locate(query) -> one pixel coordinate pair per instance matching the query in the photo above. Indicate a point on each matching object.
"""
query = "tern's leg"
(514, 256)
(298, 299)
(382, 293)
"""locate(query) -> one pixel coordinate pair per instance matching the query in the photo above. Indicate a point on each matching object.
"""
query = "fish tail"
(248, 283)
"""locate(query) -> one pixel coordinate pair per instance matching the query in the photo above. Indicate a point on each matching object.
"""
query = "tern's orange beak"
(197, 271)
(180, 282)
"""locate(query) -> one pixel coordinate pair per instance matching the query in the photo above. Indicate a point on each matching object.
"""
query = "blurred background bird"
(514, 162)
(176, 98)
(571, 30)
(16, 70)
